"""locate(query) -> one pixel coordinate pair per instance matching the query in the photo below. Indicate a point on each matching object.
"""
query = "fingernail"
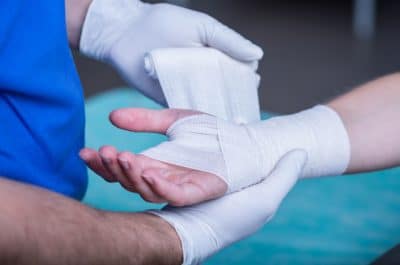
(125, 164)
(148, 179)
(106, 159)
(83, 156)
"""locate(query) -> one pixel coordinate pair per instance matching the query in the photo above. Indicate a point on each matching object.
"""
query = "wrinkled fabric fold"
(207, 80)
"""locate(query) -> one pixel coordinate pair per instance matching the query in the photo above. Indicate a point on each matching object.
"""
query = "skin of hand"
(371, 116)
(75, 12)
(154, 180)
(38, 226)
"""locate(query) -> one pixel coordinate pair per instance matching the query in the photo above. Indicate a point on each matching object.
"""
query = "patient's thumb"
(146, 120)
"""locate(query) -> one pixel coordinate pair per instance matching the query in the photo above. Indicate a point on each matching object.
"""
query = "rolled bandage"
(245, 154)
(206, 80)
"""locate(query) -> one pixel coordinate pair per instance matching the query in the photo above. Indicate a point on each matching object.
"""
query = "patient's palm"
(179, 185)
(154, 180)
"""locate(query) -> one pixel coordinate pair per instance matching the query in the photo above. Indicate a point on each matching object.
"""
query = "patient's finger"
(95, 163)
(182, 190)
(108, 155)
(173, 193)
(132, 166)
(147, 120)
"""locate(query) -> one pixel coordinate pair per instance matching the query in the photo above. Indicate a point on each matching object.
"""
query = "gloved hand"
(206, 228)
(122, 32)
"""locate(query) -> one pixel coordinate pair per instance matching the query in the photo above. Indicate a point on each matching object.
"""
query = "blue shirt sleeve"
(41, 101)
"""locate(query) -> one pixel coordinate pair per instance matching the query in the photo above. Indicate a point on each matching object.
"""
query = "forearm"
(371, 116)
(40, 227)
(75, 16)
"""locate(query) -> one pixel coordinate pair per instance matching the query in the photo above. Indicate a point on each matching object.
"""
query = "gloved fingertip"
(150, 180)
(258, 53)
(298, 158)
(250, 50)
(232, 43)
(253, 65)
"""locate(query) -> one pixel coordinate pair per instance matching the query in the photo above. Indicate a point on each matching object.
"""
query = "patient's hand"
(154, 180)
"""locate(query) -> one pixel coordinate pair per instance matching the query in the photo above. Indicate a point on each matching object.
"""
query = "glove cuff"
(105, 22)
(194, 237)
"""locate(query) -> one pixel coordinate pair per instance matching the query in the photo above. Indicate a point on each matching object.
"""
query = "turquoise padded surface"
(341, 220)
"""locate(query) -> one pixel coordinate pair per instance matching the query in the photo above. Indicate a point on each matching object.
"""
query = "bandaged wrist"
(106, 21)
(319, 131)
(243, 155)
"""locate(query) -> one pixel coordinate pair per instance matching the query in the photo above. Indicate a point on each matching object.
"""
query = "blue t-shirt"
(41, 101)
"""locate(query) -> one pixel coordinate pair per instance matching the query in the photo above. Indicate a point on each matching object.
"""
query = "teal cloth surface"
(340, 220)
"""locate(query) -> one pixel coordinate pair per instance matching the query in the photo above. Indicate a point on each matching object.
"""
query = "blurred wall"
(311, 53)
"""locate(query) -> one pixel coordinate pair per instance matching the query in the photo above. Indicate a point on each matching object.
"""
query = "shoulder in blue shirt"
(41, 101)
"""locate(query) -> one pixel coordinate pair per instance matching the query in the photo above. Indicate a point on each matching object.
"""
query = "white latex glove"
(206, 228)
(121, 32)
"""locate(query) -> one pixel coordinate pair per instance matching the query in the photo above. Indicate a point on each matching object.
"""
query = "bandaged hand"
(122, 32)
(207, 157)
(174, 184)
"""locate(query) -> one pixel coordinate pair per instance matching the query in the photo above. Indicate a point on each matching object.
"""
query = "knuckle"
(147, 197)
(132, 181)
(108, 179)
(129, 186)
(104, 148)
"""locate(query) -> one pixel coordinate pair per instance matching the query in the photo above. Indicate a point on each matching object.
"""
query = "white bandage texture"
(243, 155)
(207, 80)
(195, 142)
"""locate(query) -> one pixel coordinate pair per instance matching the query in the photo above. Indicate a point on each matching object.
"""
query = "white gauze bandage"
(206, 80)
(245, 154)
(209, 81)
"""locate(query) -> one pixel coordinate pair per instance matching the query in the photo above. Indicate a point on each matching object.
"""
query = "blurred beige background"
(311, 51)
